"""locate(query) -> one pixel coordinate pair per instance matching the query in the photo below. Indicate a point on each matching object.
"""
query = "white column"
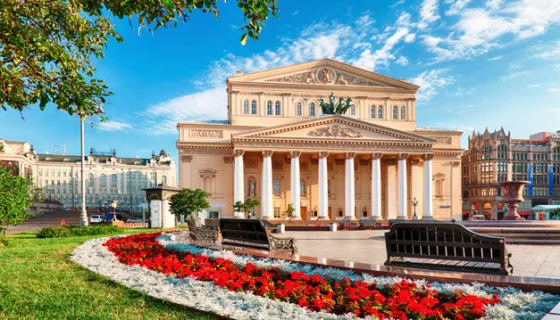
(376, 187)
(416, 179)
(428, 191)
(238, 181)
(323, 186)
(350, 187)
(402, 197)
(294, 183)
(391, 190)
(455, 209)
(267, 212)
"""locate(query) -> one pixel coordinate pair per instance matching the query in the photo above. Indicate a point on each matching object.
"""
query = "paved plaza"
(369, 247)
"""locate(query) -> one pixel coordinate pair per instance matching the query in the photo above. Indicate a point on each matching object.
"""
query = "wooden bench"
(446, 246)
(253, 233)
(199, 232)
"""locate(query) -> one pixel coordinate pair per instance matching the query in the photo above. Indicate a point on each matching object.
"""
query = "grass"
(38, 281)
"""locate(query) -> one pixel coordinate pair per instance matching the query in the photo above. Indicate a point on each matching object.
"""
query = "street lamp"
(414, 204)
(83, 213)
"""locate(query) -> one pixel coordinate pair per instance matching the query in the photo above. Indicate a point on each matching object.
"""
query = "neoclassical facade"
(276, 146)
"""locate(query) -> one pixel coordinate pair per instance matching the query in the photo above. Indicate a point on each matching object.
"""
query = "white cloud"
(428, 13)
(113, 126)
(365, 20)
(515, 71)
(534, 85)
(480, 29)
(403, 61)
(548, 51)
(456, 6)
(495, 58)
(431, 82)
(555, 89)
(295, 13)
(202, 106)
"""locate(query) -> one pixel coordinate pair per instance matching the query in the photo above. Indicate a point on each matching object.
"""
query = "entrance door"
(303, 212)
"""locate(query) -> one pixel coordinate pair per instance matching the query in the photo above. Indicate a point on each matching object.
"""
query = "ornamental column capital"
(295, 154)
(238, 152)
(350, 155)
(267, 153)
(428, 156)
(377, 156)
(186, 158)
(403, 156)
(323, 154)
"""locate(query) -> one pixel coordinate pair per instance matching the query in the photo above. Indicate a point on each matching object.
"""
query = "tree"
(189, 201)
(246, 206)
(46, 47)
(290, 210)
(339, 107)
(14, 200)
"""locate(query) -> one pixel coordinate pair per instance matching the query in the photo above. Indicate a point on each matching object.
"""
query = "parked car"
(477, 217)
(134, 220)
(95, 219)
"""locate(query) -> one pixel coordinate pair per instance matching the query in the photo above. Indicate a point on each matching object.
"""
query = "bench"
(199, 232)
(446, 246)
(253, 233)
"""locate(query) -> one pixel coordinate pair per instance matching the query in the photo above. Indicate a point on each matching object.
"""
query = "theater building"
(277, 146)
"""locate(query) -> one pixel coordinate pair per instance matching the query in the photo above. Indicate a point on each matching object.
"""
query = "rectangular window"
(302, 187)
(277, 212)
(276, 187)
(372, 112)
(380, 112)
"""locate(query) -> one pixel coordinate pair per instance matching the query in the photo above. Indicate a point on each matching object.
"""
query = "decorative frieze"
(206, 134)
(328, 76)
(335, 131)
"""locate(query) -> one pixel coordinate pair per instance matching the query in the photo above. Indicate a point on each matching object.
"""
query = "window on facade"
(302, 187)
(353, 110)
(91, 181)
(299, 109)
(403, 112)
(372, 112)
(276, 187)
(245, 106)
(395, 112)
(439, 188)
(487, 152)
(276, 212)
(312, 109)
(502, 151)
(103, 181)
(254, 107)
(269, 108)
(380, 112)
(164, 180)
(277, 108)
(113, 181)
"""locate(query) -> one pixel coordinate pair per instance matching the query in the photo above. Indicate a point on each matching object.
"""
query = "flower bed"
(400, 300)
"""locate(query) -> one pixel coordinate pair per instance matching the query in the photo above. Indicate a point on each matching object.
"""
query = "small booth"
(159, 212)
(546, 212)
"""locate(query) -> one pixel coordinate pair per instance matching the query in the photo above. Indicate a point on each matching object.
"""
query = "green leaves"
(247, 206)
(46, 46)
(15, 199)
(189, 201)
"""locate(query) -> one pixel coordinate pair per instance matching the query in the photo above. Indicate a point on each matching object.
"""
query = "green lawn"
(38, 281)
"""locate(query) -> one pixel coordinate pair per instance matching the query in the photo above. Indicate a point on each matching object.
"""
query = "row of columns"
(349, 185)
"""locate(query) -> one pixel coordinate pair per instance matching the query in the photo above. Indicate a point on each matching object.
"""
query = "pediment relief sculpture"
(335, 131)
(326, 75)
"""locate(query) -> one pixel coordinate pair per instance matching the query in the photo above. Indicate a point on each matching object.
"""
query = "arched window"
(395, 112)
(91, 182)
(483, 193)
(113, 181)
(380, 112)
(302, 187)
(353, 110)
(164, 180)
(299, 109)
(269, 108)
(372, 112)
(403, 112)
(246, 106)
(277, 108)
(254, 107)
(103, 181)
(312, 109)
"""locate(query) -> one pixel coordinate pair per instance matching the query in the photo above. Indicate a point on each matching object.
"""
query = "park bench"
(253, 233)
(445, 246)
(199, 232)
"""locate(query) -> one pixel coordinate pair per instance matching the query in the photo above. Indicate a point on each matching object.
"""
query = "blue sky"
(480, 64)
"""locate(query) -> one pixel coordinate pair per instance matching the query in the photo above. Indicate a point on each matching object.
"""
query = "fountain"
(512, 194)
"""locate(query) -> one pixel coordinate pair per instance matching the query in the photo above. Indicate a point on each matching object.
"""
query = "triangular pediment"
(335, 127)
(324, 72)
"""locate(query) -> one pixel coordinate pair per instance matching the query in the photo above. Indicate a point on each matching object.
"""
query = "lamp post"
(114, 206)
(83, 213)
(414, 204)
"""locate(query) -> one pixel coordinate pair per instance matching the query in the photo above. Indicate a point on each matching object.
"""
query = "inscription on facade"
(206, 134)
(443, 140)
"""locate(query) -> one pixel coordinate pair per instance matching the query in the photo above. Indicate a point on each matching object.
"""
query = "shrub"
(70, 231)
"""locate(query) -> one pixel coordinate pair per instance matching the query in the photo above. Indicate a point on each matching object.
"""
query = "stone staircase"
(519, 232)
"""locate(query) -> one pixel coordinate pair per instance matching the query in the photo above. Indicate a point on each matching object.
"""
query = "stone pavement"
(369, 247)
(71, 217)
